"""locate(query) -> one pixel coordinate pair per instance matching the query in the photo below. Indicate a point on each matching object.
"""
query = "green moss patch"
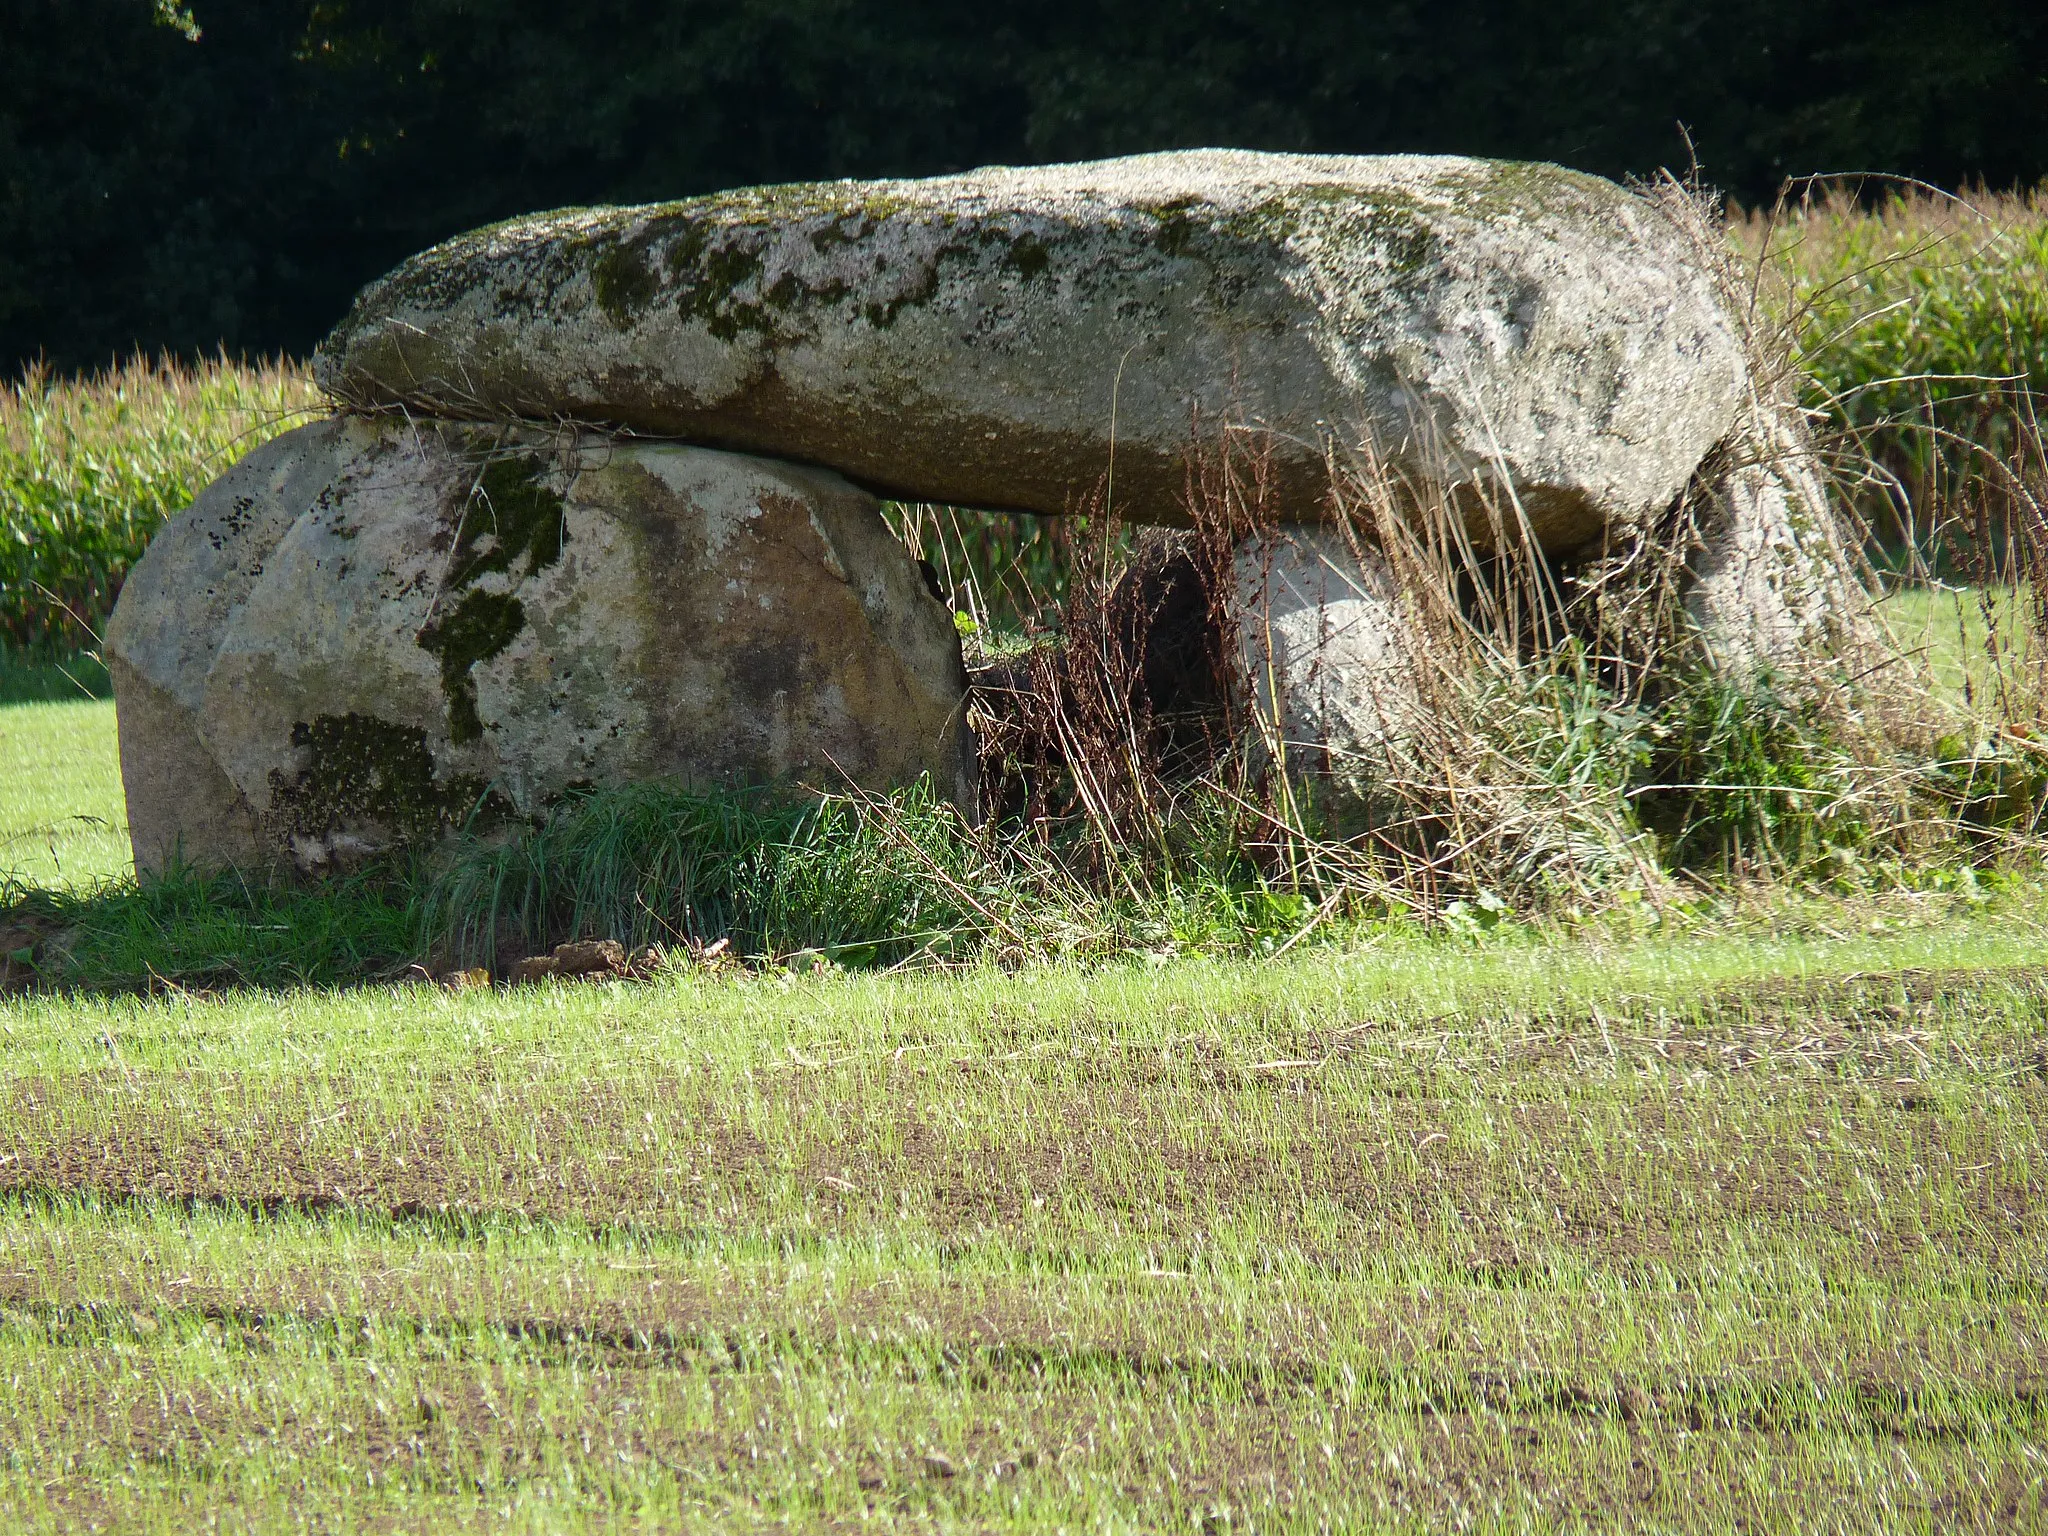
(713, 295)
(513, 518)
(713, 280)
(1177, 226)
(625, 283)
(478, 628)
(361, 770)
(513, 514)
(1028, 257)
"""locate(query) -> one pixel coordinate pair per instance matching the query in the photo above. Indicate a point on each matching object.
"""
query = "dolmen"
(601, 497)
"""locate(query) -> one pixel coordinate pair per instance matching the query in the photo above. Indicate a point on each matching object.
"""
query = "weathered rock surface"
(1326, 650)
(985, 339)
(368, 632)
(1772, 585)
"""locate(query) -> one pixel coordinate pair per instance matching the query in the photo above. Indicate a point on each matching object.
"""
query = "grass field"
(1634, 1229)
(61, 818)
(1672, 1233)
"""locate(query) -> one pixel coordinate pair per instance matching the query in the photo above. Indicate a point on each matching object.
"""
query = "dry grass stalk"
(1534, 693)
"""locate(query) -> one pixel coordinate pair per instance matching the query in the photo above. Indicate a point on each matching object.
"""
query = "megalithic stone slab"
(1019, 338)
(1774, 585)
(370, 631)
(1326, 648)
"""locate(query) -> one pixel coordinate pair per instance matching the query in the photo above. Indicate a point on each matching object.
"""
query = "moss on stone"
(709, 279)
(715, 263)
(883, 315)
(366, 772)
(624, 282)
(512, 516)
(1027, 257)
(1271, 221)
(1495, 188)
(836, 233)
(1177, 226)
(780, 205)
(686, 249)
(1406, 242)
(479, 627)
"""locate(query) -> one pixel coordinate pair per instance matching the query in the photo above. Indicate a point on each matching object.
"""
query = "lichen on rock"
(983, 338)
(441, 626)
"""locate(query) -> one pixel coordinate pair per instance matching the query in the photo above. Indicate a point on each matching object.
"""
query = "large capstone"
(1025, 338)
(370, 632)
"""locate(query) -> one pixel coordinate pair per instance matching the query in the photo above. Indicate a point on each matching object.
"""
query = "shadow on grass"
(866, 882)
(186, 930)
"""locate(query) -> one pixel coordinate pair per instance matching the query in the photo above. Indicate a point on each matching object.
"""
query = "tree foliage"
(231, 170)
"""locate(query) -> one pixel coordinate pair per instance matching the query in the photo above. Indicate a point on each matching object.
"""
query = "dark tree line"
(166, 190)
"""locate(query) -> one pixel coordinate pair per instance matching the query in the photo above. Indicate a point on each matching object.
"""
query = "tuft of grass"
(1918, 323)
(90, 467)
(862, 880)
(1748, 775)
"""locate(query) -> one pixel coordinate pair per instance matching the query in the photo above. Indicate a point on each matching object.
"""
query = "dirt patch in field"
(1326, 1170)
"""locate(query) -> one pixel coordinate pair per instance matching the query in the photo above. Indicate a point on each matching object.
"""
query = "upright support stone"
(1325, 651)
(370, 632)
(1772, 584)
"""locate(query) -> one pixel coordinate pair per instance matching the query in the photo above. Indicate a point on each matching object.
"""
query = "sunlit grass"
(1916, 309)
(62, 819)
(1639, 1229)
(1976, 645)
(90, 467)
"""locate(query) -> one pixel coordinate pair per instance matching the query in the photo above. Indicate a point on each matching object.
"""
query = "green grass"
(53, 679)
(62, 822)
(1671, 1233)
(1973, 642)
(652, 864)
(1635, 1228)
